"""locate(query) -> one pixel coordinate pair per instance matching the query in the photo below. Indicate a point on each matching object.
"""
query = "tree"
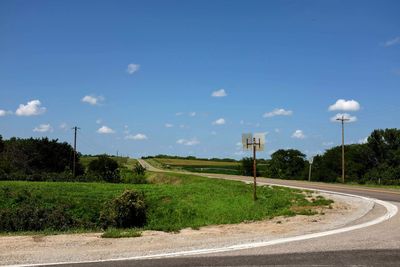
(105, 168)
(287, 164)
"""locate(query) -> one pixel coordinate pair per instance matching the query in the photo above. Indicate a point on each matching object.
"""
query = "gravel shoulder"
(91, 247)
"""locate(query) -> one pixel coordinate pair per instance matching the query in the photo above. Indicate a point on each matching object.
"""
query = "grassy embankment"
(203, 166)
(175, 201)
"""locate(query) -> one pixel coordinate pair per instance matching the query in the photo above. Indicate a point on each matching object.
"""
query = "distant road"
(377, 245)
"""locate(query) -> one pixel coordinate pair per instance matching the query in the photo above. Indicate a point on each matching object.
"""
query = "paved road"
(378, 245)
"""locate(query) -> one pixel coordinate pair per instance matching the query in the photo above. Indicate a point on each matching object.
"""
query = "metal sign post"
(256, 143)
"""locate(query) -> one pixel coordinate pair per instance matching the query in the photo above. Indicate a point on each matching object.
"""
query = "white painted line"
(391, 211)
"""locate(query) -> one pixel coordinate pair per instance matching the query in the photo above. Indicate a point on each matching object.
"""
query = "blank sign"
(260, 141)
(247, 138)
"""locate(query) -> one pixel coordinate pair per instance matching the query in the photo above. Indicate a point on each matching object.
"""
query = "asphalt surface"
(377, 245)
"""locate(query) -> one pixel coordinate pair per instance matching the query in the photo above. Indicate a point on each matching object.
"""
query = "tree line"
(376, 161)
(41, 159)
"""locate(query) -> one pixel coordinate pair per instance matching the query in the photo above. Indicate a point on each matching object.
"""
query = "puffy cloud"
(132, 68)
(92, 99)
(192, 114)
(169, 125)
(188, 142)
(219, 93)
(43, 128)
(220, 121)
(346, 116)
(31, 108)
(391, 42)
(278, 112)
(345, 105)
(138, 136)
(105, 130)
(298, 134)
(4, 112)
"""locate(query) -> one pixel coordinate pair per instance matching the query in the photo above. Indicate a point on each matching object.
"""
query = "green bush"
(106, 168)
(29, 214)
(139, 169)
(125, 211)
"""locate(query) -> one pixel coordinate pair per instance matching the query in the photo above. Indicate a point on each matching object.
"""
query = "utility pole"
(74, 162)
(343, 120)
(257, 143)
(255, 169)
(310, 168)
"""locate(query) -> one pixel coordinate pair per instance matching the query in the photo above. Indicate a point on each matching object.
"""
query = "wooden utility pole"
(254, 170)
(74, 161)
(254, 144)
(343, 120)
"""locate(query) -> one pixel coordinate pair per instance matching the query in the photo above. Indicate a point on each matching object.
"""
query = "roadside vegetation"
(192, 164)
(375, 162)
(168, 202)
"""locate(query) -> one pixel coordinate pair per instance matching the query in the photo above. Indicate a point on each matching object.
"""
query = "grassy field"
(175, 201)
(207, 166)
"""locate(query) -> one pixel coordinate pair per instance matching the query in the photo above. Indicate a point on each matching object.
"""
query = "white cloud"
(239, 153)
(99, 121)
(92, 99)
(179, 114)
(348, 117)
(278, 112)
(219, 93)
(43, 128)
(188, 142)
(391, 42)
(327, 143)
(298, 134)
(4, 112)
(363, 140)
(169, 125)
(105, 130)
(63, 126)
(192, 114)
(138, 136)
(345, 105)
(132, 68)
(220, 121)
(31, 108)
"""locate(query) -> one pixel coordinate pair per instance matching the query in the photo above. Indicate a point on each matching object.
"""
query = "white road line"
(391, 211)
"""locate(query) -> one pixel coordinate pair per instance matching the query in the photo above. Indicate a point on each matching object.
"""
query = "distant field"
(208, 166)
(175, 201)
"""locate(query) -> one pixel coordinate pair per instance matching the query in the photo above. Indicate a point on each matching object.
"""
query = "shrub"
(139, 169)
(105, 168)
(30, 214)
(125, 211)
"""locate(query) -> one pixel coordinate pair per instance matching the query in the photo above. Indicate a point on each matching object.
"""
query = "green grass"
(175, 201)
(202, 166)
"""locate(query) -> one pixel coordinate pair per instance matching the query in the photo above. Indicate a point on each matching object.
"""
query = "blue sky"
(138, 77)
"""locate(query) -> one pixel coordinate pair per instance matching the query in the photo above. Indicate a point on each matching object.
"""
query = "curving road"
(377, 245)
